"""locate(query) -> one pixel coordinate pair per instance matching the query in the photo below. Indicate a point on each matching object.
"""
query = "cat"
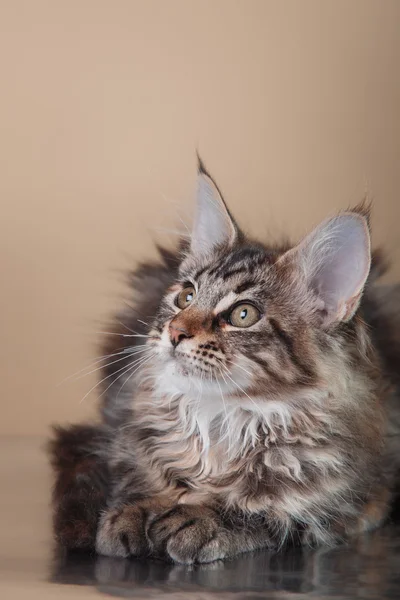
(255, 405)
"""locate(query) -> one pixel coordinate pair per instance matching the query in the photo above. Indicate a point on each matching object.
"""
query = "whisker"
(105, 378)
(126, 326)
(200, 386)
(124, 370)
(240, 367)
(143, 322)
(141, 360)
(132, 307)
(240, 388)
(95, 362)
(222, 395)
(127, 354)
(147, 358)
(129, 335)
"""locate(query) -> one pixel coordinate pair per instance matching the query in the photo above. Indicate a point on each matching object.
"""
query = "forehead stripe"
(246, 285)
(238, 271)
(225, 303)
(199, 273)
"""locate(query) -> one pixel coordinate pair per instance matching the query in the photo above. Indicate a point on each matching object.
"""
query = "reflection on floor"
(31, 567)
(369, 569)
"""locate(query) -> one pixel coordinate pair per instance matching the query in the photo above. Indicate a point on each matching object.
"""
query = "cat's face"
(233, 321)
(250, 320)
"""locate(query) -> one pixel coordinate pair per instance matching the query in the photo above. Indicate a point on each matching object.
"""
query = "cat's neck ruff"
(209, 411)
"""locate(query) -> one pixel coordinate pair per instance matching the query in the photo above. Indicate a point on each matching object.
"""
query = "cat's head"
(253, 319)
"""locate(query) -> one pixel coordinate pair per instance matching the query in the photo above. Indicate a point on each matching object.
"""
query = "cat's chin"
(177, 378)
(178, 371)
(179, 365)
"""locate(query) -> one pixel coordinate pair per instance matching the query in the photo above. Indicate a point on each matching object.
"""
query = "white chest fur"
(204, 437)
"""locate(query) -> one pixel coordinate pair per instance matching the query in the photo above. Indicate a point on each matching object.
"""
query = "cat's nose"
(177, 334)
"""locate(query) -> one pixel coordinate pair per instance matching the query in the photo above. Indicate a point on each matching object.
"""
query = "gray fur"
(236, 439)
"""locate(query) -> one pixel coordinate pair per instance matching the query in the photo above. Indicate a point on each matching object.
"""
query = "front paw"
(122, 533)
(188, 534)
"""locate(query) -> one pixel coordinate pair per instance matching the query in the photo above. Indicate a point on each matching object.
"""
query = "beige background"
(294, 105)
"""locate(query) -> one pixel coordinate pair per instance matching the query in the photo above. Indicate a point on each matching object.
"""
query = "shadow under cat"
(369, 567)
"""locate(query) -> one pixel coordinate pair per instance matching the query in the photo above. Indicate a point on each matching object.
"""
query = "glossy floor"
(30, 567)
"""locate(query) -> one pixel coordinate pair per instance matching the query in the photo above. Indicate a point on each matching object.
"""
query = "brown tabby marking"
(230, 438)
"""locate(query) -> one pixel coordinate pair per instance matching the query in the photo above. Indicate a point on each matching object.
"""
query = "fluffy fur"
(217, 439)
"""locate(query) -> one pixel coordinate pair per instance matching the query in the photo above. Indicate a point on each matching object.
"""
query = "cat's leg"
(189, 534)
(200, 534)
(351, 521)
(122, 529)
(77, 455)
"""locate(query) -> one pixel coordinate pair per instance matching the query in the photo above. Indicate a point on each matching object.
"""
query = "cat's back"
(381, 311)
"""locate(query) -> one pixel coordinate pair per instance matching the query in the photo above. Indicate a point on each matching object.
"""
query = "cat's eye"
(244, 315)
(186, 297)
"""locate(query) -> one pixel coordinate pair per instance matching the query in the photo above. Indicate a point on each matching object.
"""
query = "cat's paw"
(122, 533)
(188, 534)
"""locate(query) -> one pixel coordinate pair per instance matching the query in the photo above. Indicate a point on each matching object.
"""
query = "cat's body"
(226, 437)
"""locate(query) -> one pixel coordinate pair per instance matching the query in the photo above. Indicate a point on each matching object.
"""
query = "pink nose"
(177, 334)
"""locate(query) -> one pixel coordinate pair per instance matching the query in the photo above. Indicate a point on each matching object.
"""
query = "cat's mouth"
(192, 363)
(204, 359)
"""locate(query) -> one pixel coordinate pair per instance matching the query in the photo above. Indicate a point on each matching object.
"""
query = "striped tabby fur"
(223, 439)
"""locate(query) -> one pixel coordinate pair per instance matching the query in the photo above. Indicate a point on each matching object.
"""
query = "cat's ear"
(334, 261)
(213, 225)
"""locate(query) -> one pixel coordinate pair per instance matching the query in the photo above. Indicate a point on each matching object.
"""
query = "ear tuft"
(201, 168)
(364, 209)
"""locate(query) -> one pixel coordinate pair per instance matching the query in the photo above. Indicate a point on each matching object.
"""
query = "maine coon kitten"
(257, 411)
